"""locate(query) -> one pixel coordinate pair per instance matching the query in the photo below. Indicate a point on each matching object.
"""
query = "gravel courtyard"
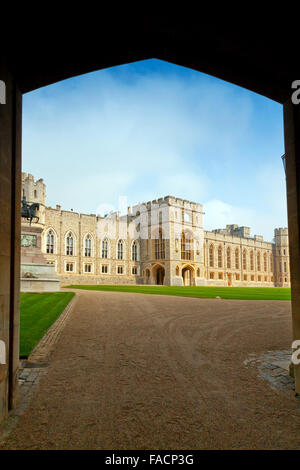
(136, 371)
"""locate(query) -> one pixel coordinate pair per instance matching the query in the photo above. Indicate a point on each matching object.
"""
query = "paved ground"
(134, 371)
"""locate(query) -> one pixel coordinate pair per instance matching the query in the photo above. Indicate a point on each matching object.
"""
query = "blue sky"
(149, 129)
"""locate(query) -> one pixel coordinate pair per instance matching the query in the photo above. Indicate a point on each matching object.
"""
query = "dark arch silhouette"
(258, 57)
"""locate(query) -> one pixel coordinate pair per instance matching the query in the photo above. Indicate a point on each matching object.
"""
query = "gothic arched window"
(88, 245)
(251, 261)
(104, 248)
(211, 256)
(265, 262)
(120, 249)
(70, 244)
(50, 242)
(186, 246)
(228, 258)
(134, 251)
(245, 260)
(159, 245)
(220, 257)
(237, 259)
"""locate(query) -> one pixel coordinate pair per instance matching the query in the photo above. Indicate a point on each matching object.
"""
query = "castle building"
(158, 242)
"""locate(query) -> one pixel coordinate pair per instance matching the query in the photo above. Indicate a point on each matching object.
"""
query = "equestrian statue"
(29, 210)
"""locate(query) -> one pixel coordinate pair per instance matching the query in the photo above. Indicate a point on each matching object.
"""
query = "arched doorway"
(188, 276)
(160, 275)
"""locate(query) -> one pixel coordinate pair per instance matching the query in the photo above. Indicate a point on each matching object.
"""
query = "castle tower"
(186, 242)
(36, 274)
(171, 241)
(34, 191)
(281, 258)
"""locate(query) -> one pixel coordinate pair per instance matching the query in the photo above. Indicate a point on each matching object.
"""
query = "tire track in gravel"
(179, 356)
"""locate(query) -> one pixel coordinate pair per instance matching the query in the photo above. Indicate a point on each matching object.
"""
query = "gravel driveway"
(136, 371)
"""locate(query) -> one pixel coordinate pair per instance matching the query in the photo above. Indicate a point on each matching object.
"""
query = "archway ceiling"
(257, 56)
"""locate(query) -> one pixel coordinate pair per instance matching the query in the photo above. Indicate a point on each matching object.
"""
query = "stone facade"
(158, 242)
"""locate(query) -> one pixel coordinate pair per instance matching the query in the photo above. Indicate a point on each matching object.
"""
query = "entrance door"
(187, 278)
(160, 274)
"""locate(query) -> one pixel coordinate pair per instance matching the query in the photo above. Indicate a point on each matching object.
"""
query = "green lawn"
(253, 293)
(38, 312)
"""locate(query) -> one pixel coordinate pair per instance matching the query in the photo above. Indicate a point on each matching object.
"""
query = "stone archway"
(188, 276)
(243, 63)
(158, 274)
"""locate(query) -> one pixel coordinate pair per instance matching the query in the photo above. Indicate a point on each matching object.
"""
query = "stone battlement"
(34, 191)
(281, 231)
(166, 201)
(30, 177)
(235, 230)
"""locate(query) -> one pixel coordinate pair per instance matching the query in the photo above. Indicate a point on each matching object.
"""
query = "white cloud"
(218, 214)
(186, 185)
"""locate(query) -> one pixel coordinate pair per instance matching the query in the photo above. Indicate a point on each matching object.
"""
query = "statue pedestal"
(36, 274)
